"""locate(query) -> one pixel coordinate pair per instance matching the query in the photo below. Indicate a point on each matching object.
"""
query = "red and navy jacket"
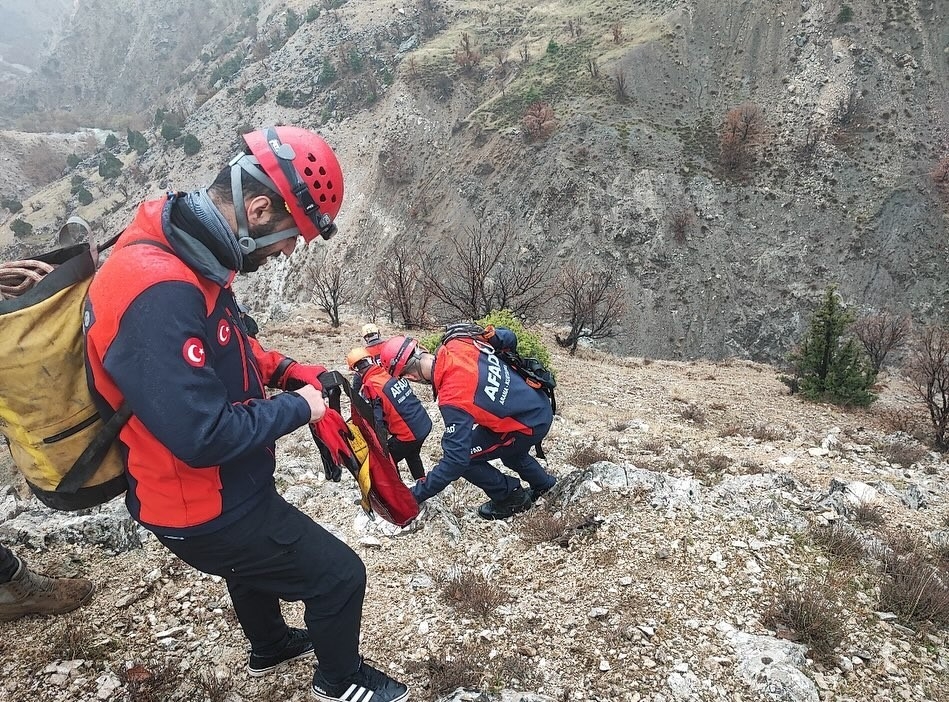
(164, 334)
(393, 404)
(476, 388)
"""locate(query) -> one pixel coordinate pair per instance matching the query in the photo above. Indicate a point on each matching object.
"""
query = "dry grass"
(212, 688)
(809, 613)
(903, 453)
(693, 413)
(914, 590)
(653, 444)
(839, 541)
(74, 636)
(540, 526)
(447, 672)
(472, 593)
(585, 456)
(867, 514)
(763, 431)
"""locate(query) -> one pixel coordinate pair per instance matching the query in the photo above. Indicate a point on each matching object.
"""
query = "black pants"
(8, 564)
(411, 451)
(278, 553)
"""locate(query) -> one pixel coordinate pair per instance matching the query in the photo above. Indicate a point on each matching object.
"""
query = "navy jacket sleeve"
(186, 405)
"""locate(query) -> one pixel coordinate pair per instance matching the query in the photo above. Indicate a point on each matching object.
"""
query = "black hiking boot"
(364, 685)
(537, 493)
(298, 646)
(517, 501)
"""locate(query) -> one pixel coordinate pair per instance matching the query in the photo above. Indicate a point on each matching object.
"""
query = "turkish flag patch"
(223, 332)
(193, 351)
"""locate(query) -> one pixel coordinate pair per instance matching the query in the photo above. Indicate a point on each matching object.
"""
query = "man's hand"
(314, 398)
(297, 375)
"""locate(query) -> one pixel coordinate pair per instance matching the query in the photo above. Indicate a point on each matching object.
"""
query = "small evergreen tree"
(170, 132)
(109, 165)
(137, 142)
(190, 144)
(12, 204)
(21, 228)
(828, 367)
(83, 195)
(111, 141)
(72, 160)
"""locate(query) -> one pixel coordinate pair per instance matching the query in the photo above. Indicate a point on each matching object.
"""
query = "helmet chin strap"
(248, 244)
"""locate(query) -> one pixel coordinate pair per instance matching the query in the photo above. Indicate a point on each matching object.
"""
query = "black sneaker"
(298, 646)
(517, 501)
(365, 685)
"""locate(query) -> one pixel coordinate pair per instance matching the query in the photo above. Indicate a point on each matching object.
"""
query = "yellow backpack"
(55, 435)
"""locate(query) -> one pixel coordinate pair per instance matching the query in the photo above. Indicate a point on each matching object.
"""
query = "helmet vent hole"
(311, 158)
(317, 185)
(332, 198)
(322, 171)
(329, 185)
(322, 198)
(308, 171)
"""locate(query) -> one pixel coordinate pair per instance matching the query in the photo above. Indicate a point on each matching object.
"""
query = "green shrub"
(284, 98)
(109, 165)
(75, 183)
(312, 13)
(328, 73)
(845, 15)
(21, 228)
(529, 344)
(137, 142)
(12, 204)
(170, 132)
(828, 367)
(190, 144)
(83, 195)
(293, 21)
(254, 94)
(111, 141)
(72, 160)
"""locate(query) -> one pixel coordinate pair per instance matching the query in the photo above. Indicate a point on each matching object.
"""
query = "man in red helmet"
(489, 411)
(395, 407)
(165, 339)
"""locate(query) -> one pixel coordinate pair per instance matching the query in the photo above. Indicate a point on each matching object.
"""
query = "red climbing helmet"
(396, 354)
(305, 172)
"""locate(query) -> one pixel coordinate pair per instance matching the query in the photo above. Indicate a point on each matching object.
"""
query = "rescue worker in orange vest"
(490, 412)
(164, 337)
(395, 408)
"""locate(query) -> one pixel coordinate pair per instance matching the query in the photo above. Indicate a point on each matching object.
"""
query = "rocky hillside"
(425, 100)
(712, 538)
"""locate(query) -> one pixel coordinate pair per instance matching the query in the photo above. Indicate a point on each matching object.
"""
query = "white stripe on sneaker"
(357, 693)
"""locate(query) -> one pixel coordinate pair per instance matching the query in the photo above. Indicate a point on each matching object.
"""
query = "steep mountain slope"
(649, 576)
(834, 189)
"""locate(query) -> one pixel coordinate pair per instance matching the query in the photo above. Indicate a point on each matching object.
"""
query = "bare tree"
(742, 129)
(929, 370)
(330, 285)
(475, 278)
(880, 334)
(591, 300)
(539, 121)
(399, 280)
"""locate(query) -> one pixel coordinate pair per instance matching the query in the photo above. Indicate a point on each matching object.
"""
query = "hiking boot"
(537, 493)
(298, 646)
(518, 501)
(364, 685)
(32, 593)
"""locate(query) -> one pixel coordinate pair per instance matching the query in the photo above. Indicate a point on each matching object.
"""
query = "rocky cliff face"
(835, 189)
